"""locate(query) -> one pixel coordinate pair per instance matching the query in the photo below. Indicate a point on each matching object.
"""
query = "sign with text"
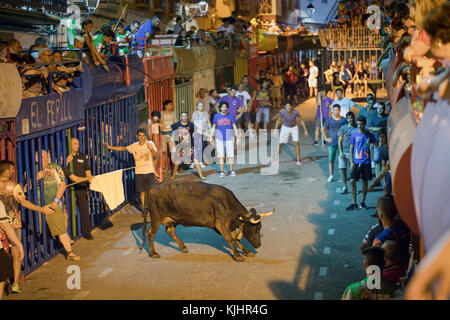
(41, 113)
(10, 90)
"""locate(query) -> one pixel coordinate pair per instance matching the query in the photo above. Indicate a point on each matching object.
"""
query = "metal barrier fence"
(37, 242)
(114, 123)
(184, 99)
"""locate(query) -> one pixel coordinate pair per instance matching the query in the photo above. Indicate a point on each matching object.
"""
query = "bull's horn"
(256, 219)
(268, 213)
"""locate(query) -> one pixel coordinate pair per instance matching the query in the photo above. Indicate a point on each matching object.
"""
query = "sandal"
(72, 256)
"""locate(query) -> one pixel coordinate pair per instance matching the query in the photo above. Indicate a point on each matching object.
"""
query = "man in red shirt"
(291, 82)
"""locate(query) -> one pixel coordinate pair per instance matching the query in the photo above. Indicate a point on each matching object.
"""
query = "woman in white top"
(202, 128)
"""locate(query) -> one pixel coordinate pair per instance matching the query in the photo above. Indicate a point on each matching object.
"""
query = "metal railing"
(352, 37)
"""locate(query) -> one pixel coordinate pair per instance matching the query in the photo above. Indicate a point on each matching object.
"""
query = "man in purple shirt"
(360, 163)
(290, 128)
(233, 102)
(323, 112)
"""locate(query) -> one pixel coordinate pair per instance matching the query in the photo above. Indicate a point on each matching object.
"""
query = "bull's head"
(252, 227)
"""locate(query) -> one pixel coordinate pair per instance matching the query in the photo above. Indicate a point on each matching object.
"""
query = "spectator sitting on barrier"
(89, 44)
(201, 37)
(121, 39)
(107, 48)
(54, 187)
(11, 54)
(373, 257)
(395, 264)
(73, 55)
(394, 228)
(182, 40)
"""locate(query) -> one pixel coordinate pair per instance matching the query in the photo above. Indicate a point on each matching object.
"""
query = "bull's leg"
(246, 252)
(144, 231)
(151, 237)
(229, 239)
(170, 229)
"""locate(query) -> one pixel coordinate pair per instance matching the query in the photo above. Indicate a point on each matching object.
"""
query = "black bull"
(203, 205)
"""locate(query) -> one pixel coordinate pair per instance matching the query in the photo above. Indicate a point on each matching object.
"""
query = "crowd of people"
(354, 12)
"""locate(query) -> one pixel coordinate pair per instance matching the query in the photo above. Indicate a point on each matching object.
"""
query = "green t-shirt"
(98, 40)
(360, 291)
(122, 47)
(53, 176)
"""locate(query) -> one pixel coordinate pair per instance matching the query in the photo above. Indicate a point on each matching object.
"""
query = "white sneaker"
(330, 178)
(192, 166)
(202, 165)
(222, 174)
(233, 174)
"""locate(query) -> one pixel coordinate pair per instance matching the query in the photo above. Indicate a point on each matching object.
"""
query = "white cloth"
(111, 186)
(244, 96)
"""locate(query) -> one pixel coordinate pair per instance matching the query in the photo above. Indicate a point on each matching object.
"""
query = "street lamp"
(310, 9)
(203, 7)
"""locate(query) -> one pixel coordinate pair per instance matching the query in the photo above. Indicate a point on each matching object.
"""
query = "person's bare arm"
(59, 194)
(118, 148)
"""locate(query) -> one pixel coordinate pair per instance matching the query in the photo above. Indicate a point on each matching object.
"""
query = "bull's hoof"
(239, 258)
(249, 254)
(155, 255)
(184, 250)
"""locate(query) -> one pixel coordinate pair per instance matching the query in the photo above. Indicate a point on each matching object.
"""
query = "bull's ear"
(253, 212)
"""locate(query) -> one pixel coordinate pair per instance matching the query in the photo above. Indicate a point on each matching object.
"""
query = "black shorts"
(144, 181)
(362, 170)
(6, 267)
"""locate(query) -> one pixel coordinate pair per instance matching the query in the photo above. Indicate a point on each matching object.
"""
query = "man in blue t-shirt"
(330, 135)
(360, 141)
(235, 104)
(224, 124)
(144, 33)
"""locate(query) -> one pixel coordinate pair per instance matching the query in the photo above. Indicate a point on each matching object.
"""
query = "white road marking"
(331, 232)
(336, 202)
(323, 271)
(117, 235)
(105, 272)
(326, 250)
(333, 216)
(125, 253)
(318, 296)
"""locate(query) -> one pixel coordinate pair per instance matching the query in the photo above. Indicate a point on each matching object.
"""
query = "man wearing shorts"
(263, 106)
(143, 152)
(345, 132)
(11, 194)
(168, 118)
(360, 166)
(54, 186)
(290, 128)
(6, 267)
(224, 124)
(312, 79)
(330, 135)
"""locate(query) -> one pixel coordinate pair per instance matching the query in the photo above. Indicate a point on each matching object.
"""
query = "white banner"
(10, 90)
